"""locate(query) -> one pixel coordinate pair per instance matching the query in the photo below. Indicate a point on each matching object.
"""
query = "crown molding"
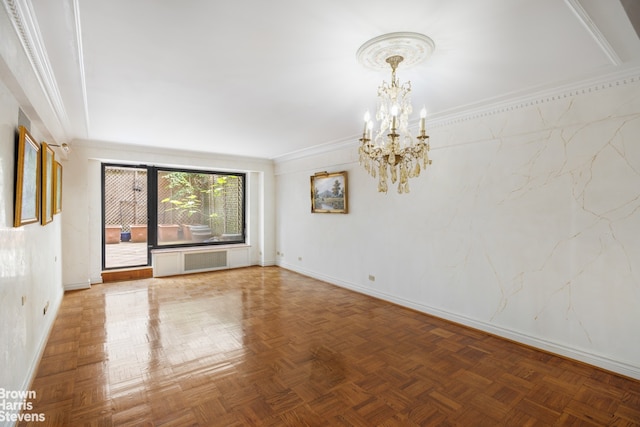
(26, 28)
(318, 149)
(537, 96)
(594, 31)
(512, 101)
(81, 69)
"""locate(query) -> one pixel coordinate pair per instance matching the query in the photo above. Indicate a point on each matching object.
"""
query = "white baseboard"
(77, 286)
(599, 361)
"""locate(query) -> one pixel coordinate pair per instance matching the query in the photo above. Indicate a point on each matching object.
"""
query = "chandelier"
(391, 152)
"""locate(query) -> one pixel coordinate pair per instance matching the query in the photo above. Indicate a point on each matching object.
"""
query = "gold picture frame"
(57, 188)
(27, 182)
(47, 185)
(329, 192)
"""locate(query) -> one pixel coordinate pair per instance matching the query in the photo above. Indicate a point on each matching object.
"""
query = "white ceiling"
(269, 78)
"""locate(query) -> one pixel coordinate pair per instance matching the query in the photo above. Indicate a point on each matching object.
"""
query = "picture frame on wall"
(47, 185)
(57, 173)
(329, 192)
(27, 180)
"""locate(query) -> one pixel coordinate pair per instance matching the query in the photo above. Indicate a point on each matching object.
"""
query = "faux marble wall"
(526, 225)
(30, 267)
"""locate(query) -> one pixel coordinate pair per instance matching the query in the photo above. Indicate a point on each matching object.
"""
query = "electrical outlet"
(299, 258)
(372, 278)
(24, 299)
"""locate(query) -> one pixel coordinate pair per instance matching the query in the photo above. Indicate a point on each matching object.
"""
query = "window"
(199, 207)
(146, 207)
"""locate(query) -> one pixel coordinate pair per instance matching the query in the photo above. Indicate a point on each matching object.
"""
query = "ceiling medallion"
(391, 151)
(413, 47)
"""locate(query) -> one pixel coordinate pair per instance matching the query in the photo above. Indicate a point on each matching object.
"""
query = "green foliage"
(193, 193)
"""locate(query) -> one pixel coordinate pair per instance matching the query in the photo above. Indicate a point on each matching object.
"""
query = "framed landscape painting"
(47, 199)
(329, 192)
(27, 180)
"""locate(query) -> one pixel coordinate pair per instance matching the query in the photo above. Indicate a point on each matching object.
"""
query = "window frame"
(153, 202)
(104, 166)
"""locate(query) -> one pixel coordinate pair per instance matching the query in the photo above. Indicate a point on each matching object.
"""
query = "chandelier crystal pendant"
(391, 152)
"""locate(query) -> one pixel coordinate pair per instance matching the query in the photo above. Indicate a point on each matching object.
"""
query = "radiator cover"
(175, 261)
(197, 261)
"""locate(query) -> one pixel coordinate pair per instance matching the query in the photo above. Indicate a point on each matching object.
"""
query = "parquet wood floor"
(266, 346)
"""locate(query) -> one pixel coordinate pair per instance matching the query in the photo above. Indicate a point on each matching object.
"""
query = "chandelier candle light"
(392, 152)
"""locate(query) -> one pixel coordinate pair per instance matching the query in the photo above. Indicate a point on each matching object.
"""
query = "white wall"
(82, 226)
(526, 225)
(30, 256)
